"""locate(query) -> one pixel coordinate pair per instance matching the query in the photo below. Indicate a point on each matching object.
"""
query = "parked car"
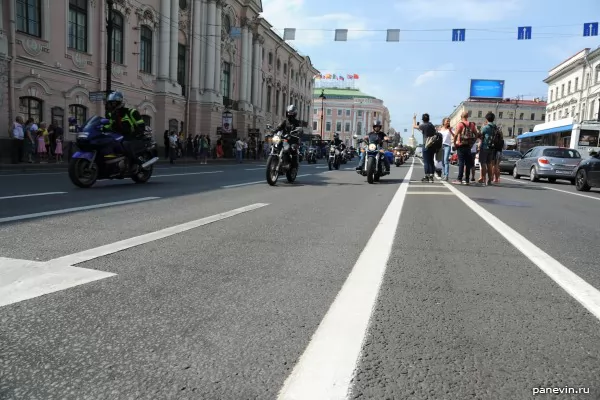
(508, 160)
(549, 162)
(587, 174)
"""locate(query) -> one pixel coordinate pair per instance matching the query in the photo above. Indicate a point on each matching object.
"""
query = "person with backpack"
(487, 152)
(498, 144)
(431, 144)
(464, 139)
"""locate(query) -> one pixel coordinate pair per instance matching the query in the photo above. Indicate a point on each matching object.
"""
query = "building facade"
(346, 111)
(514, 116)
(182, 63)
(574, 88)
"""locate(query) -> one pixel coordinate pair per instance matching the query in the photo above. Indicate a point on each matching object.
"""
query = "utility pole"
(109, 36)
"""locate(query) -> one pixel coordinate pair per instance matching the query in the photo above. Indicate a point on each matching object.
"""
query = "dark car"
(508, 160)
(587, 175)
(548, 162)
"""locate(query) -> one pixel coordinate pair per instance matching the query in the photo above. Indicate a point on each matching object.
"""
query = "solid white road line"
(22, 279)
(187, 173)
(253, 169)
(438, 193)
(30, 195)
(574, 194)
(243, 184)
(47, 173)
(579, 289)
(111, 248)
(75, 209)
(326, 368)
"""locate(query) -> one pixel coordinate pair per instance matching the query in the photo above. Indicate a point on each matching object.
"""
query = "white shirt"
(239, 146)
(18, 131)
(446, 136)
(173, 140)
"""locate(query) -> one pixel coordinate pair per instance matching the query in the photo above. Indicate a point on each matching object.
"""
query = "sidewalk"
(24, 167)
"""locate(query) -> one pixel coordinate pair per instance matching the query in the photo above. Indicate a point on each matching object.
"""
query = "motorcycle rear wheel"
(83, 173)
(272, 173)
(144, 175)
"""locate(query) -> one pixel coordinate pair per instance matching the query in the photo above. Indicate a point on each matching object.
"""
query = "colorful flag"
(349, 76)
(328, 76)
(355, 76)
(341, 78)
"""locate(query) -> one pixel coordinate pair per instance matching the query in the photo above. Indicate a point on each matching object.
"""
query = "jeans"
(238, 156)
(428, 161)
(445, 160)
(464, 160)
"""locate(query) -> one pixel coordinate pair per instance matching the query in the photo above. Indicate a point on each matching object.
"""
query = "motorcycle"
(345, 157)
(101, 155)
(311, 156)
(283, 158)
(334, 157)
(398, 159)
(373, 167)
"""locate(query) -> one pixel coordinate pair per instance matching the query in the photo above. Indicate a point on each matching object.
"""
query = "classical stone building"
(182, 63)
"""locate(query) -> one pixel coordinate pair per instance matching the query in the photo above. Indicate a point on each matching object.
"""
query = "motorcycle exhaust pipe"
(150, 162)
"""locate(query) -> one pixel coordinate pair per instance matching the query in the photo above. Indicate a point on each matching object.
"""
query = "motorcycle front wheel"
(371, 170)
(272, 172)
(82, 172)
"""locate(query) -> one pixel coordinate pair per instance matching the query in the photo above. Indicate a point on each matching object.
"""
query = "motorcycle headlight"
(82, 135)
(276, 139)
(372, 147)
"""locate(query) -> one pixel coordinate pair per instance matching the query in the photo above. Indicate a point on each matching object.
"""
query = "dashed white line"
(579, 289)
(326, 368)
(74, 209)
(187, 173)
(18, 196)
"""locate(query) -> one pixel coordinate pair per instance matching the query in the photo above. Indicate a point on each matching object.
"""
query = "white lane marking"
(579, 289)
(423, 186)
(243, 184)
(30, 195)
(74, 209)
(253, 169)
(438, 193)
(111, 248)
(187, 173)
(326, 368)
(48, 173)
(321, 167)
(574, 194)
(23, 280)
(349, 168)
(300, 176)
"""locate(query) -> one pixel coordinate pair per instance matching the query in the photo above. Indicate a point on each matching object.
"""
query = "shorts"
(487, 157)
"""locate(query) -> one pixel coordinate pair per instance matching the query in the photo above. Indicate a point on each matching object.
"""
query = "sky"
(426, 71)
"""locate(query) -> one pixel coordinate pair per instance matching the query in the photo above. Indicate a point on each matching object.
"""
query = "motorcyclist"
(290, 123)
(381, 138)
(126, 121)
(337, 142)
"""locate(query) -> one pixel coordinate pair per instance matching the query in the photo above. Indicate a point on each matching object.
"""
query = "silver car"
(549, 162)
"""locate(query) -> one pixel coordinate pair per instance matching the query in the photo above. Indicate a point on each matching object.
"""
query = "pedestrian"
(167, 143)
(239, 148)
(31, 131)
(463, 140)
(447, 135)
(497, 158)
(58, 149)
(173, 143)
(428, 130)
(486, 152)
(41, 143)
(18, 140)
(203, 149)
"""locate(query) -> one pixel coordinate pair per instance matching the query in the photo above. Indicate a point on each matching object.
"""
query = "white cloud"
(433, 74)
(319, 28)
(459, 10)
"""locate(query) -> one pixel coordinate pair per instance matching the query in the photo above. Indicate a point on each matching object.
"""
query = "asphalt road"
(206, 283)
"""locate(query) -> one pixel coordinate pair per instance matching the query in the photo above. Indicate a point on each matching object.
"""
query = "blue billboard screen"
(487, 88)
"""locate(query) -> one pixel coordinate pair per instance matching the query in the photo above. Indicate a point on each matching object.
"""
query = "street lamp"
(109, 35)
(322, 97)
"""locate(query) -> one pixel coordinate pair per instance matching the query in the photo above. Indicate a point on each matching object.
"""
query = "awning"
(545, 131)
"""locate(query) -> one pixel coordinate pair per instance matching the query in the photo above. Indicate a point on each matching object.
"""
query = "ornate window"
(78, 18)
(29, 17)
(226, 80)
(173, 125)
(278, 65)
(181, 66)
(270, 58)
(117, 38)
(227, 24)
(146, 49)
(30, 107)
(268, 98)
(183, 4)
(79, 112)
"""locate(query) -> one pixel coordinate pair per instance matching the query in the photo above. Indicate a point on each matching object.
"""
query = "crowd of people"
(36, 143)
(468, 142)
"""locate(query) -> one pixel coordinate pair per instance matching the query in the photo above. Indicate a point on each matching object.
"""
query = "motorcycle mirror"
(104, 121)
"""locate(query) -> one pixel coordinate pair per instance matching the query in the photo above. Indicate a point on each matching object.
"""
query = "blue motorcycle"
(101, 155)
(373, 168)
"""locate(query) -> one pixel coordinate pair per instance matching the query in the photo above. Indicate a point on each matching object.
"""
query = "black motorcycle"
(311, 156)
(283, 158)
(335, 156)
(373, 167)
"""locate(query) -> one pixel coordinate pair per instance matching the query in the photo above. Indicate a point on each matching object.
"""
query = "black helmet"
(336, 135)
(377, 123)
(291, 111)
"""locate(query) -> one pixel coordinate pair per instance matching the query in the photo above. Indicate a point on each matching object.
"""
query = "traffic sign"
(458, 35)
(97, 96)
(524, 33)
(590, 29)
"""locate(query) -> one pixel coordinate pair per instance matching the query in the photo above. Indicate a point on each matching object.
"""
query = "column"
(197, 37)
(203, 39)
(244, 66)
(249, 66)
(218, 27)
(164, 40)
(255, 73)
(209, 82)
(174, 26)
